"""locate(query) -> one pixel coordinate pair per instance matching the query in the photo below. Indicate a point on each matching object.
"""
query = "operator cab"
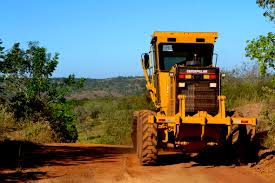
(184, 62)
(184, 54)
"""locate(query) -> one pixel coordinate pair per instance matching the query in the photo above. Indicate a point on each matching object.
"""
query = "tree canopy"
(262, 48)
(30, 93)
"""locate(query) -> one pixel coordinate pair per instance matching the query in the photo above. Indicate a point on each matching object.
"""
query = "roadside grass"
(36, 132)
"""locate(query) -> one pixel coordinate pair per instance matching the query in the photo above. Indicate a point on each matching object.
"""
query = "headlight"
(181, 85)
(171, 74)
(213, 85)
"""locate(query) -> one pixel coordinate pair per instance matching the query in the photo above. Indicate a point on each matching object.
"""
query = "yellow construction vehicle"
(185, 87)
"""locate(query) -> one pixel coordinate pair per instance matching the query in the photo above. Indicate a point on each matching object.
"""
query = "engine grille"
(200, 97)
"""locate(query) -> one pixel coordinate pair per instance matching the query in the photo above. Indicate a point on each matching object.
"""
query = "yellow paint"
(181, 105)
(151, 119)
(185, 37)
(163, 90)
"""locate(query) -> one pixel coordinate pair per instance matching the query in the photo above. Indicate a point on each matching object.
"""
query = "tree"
(262, 48)
(31, 93)
(269, 7)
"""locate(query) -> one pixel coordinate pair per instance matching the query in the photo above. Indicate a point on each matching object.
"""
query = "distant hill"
(117, 86)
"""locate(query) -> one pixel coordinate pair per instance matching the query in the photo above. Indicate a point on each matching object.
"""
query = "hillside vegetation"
(110, 87)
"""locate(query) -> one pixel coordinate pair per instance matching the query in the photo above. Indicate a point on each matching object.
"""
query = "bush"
(63, 122)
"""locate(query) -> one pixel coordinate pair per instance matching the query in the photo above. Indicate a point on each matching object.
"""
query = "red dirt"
(266, 166)
(107, 163)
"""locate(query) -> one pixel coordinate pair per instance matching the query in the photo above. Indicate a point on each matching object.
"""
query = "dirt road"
(101, 163)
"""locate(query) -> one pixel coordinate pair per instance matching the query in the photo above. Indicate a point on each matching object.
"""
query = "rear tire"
(242, 145)
(146, 139)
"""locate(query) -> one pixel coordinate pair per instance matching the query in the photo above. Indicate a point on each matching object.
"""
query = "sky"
(105, 38)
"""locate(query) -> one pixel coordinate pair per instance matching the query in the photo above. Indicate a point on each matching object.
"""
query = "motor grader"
(185, 87)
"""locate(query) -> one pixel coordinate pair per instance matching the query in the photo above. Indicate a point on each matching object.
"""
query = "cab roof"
(184, 37)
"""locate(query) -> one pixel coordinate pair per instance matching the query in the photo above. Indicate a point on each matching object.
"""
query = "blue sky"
(101, 38)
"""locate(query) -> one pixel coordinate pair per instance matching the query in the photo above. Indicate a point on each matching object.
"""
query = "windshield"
(184, 54)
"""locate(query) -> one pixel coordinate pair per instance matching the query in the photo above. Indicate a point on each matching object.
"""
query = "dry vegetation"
(10, 129)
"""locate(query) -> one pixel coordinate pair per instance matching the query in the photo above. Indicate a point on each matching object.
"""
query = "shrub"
(63, 122)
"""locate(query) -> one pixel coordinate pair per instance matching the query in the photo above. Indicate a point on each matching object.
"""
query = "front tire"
(146, 139)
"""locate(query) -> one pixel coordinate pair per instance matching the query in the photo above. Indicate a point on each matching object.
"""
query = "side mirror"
(146, 61)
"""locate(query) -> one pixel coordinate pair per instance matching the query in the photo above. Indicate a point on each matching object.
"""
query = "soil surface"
(108, 163)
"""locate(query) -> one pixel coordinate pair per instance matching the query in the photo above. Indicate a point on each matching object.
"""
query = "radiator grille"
(200, 97)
